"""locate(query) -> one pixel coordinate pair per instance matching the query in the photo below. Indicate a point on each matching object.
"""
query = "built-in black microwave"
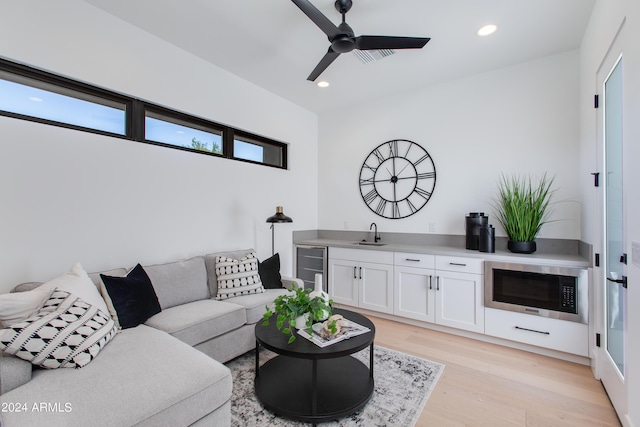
(542, 290)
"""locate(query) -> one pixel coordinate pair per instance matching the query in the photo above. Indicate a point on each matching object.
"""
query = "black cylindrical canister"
(473, 221)
(487, 238)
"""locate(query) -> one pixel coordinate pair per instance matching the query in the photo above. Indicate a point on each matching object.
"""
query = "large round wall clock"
(397, 179)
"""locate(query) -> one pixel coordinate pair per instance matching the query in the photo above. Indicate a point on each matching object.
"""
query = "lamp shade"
(279, 216)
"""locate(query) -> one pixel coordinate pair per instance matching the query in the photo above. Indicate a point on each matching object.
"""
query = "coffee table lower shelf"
(285, 386)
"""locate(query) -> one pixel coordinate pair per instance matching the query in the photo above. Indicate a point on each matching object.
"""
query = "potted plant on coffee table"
(522, 208)
(297, 309)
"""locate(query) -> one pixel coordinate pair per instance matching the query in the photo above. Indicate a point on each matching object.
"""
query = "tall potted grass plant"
(522, 208)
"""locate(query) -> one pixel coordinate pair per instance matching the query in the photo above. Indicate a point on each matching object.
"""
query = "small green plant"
(522, 206)
(290, 306)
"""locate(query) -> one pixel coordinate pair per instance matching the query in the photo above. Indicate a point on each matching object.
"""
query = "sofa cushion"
(199, 321)
(238, 276)
(269, 270)
(133, 297)
(144, 377)
(14, 372)
(255, 305)
(179, 282)
(65, 332)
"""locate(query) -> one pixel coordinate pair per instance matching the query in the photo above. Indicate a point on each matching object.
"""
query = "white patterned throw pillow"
(66, 332)
(238, 276)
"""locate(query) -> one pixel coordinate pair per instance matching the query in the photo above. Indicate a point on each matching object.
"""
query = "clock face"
(397, 179)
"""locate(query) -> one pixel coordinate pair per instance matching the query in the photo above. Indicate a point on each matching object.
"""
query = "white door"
(459, 302)
(610, 280)
(343, 282)
(376, 286)
(414, 293)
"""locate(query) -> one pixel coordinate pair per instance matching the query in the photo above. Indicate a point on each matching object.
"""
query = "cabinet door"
(414, 293)
(376, 287)
(343, 282)
(459, 301)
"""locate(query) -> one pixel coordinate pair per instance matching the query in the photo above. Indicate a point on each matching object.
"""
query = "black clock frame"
(417, 164)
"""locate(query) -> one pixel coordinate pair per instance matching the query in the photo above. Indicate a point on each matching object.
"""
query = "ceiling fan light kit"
(343, 39)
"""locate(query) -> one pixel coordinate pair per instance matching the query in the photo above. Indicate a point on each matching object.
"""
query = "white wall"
(521, 119)
(606, 20)
(70, 196)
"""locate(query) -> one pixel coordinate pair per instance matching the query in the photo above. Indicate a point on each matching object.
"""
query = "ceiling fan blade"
(328, 27)
(390, 42)
(326, 60)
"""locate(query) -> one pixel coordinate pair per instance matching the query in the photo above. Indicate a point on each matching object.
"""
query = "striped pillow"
(238, 276)
(65, 332)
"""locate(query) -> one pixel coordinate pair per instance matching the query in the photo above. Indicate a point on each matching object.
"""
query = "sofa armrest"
(14, 372)
(287, 282)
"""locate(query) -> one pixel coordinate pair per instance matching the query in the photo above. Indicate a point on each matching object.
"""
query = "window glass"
(173, 131)
(254, 150)
(62, 105)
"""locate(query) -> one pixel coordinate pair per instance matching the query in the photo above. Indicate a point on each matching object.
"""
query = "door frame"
(603, 366)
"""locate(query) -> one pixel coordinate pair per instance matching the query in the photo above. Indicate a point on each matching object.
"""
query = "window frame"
(181, 119)
(237, 134)
(135, 115)
(67, 85)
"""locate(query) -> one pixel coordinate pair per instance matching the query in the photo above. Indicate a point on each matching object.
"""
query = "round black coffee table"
(310, 383)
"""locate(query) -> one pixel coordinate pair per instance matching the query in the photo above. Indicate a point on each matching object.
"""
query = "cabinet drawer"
(414, 260)
(463, 265)
(561, 335)
(380, 257)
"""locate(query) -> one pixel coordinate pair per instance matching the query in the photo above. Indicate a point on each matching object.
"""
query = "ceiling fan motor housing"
(345, 41)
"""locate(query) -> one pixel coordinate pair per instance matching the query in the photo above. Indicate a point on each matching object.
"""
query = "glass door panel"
(614, 226)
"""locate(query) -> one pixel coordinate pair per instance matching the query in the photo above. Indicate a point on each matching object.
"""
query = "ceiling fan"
(343, 38)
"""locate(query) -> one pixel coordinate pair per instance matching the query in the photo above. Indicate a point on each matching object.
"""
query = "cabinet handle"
(532, 330)
(437, 283)
(412, 259)
(458, 264)
(430, 278)
(354, 273)
(360, 273)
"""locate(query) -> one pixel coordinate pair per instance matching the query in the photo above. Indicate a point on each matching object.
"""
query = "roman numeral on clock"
(426, 175)
(378, 155)
(370, 196)
(421, 159)
(393, 148)
(425, 194)
(411, 206)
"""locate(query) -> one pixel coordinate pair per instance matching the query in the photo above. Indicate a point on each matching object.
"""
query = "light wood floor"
(485, 384)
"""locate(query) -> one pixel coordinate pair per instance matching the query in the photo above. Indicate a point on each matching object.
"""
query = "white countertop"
(571, 260)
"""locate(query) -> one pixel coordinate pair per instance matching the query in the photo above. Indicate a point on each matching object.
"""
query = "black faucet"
(376, 237)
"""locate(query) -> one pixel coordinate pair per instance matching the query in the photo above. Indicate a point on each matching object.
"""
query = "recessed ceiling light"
(487, 29)
(323, 84)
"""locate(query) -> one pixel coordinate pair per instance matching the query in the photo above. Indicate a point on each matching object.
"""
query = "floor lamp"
(278, 217)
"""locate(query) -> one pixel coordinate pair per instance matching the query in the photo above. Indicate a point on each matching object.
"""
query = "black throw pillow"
(133, 297)
(269, 271)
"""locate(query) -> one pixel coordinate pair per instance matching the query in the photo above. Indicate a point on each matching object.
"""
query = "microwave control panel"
(568, 297)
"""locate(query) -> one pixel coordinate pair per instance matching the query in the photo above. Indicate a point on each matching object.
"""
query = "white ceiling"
(272, 44)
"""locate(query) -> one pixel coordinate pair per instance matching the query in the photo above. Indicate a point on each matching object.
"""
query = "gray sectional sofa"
(166, 372)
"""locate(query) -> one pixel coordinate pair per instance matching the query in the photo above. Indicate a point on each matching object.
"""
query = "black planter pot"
(521, 247)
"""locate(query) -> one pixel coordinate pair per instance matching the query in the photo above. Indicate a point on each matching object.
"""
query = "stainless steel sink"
(370, 243)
